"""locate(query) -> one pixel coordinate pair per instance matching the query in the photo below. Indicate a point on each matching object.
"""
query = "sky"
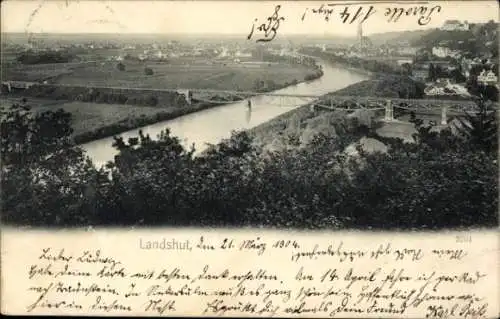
(223, 17)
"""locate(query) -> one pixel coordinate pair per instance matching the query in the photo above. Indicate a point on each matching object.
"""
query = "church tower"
(360, 34)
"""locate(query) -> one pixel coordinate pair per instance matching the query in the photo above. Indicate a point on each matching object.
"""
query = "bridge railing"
(329, 101)
(443, 107)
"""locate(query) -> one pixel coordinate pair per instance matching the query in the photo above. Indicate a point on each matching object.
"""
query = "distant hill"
(437, 36)
(327, 39)
(480, 38)
(398, 36)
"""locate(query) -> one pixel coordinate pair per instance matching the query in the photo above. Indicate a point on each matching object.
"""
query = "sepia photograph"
(290, 115)
(249, 158)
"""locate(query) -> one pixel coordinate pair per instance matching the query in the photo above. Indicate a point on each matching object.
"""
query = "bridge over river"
(285, 99)
(213, 124)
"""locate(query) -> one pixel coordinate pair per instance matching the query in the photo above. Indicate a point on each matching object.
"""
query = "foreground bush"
(46, 180)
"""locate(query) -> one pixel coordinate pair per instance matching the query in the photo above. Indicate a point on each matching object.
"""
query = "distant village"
(445, 67)
(154, 51)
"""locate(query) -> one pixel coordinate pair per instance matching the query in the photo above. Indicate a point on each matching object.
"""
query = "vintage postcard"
(333, 159)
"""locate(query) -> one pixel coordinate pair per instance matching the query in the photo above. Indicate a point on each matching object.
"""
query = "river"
(215, 124)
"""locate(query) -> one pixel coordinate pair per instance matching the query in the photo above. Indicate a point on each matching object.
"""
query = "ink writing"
(270, 28)
(348, 15)
(283, 277)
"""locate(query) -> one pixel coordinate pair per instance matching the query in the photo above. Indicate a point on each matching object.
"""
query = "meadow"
(196, 74)
(91, 121)
(199, 76)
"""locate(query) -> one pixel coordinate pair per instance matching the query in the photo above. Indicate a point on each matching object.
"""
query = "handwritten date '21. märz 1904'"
(270, 28)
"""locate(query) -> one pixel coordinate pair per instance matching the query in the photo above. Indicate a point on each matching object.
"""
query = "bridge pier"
(189, 95)
(444, 120)
(389, 111)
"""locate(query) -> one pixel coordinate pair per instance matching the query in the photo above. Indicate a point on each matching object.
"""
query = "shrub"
(120, 66)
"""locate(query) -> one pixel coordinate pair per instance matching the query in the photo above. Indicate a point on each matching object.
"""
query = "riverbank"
(134, 122)
(131, 123)
(374, 66)
(99, 113)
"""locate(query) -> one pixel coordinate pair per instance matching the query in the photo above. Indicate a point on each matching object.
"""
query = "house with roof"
(487, 77)
(455, 25)
(441, 51)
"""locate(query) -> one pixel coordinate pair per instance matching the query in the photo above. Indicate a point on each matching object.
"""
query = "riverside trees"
(46, 179)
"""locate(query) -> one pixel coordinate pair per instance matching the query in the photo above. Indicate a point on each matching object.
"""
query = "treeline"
(302, 60)
(45, 57)
(104, 95)
(475, 88)
(270, 85)
(436, 72)
(480, 38)
(456, 39)
(374, 66)
(313, 76)
(386, 86)
(365, 64)
(441, 181)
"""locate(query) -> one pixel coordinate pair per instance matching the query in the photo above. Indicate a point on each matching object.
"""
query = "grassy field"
(7, 101)
(197, 74)
(88, 117)
(200, 76)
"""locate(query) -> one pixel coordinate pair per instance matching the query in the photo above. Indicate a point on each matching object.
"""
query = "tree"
(457, 75)
(31, 57)
(407, 69)
(120, 66)
(151, 100)
(151, 182)
(46, 179)
(239, 144)
(490, 92)
(432, 73)
(479, 128)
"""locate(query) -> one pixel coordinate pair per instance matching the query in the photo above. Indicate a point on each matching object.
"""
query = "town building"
(455, 25)
(407, 51)
(487, 77)
(443, 87)
(243, 54)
